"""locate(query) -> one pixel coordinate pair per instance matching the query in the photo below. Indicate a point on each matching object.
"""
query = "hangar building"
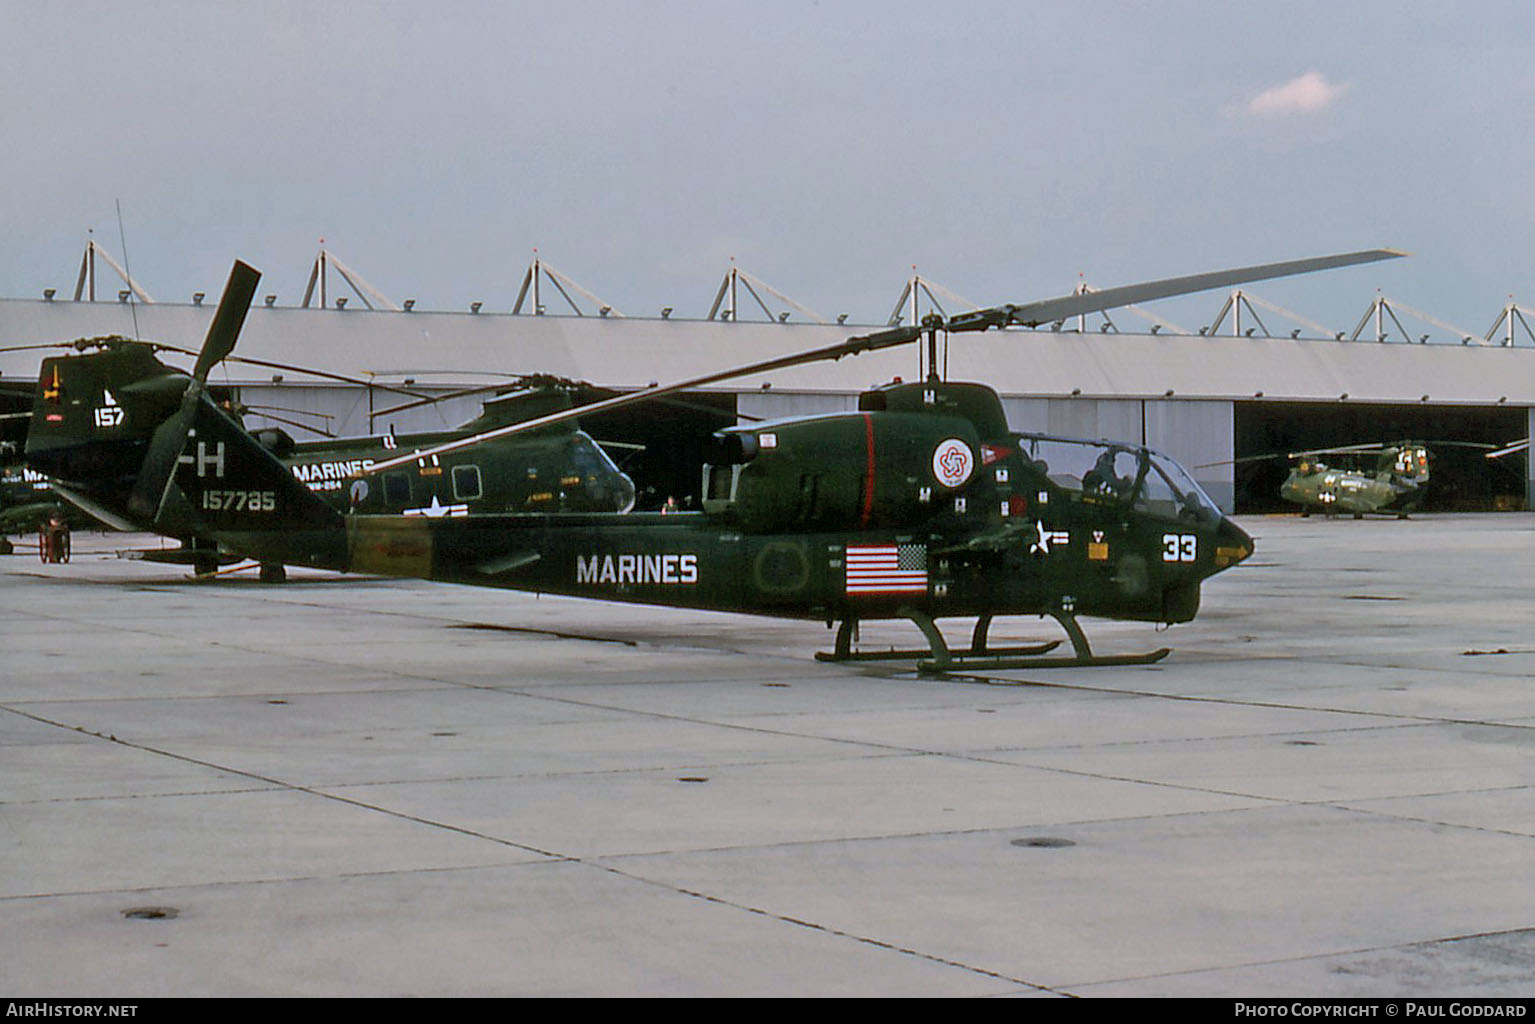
(1204, 399)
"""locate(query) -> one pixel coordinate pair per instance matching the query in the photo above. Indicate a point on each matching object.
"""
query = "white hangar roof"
(454, 349)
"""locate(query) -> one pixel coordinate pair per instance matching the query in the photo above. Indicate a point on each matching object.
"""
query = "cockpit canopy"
(1114, 472)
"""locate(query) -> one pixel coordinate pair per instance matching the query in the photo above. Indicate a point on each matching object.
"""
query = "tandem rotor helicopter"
(1386, 478)
(921, 505)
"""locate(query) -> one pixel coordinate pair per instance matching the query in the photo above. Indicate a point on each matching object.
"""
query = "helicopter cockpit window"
(1102, 472)
(606, 485)
(1411, 460)
(1170, 482)
(1108, 473)
(1114, 473)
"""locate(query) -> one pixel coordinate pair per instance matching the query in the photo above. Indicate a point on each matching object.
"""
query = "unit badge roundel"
(953, 462)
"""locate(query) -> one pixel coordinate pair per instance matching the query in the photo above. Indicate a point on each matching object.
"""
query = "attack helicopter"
(920, 505)
(99, 410)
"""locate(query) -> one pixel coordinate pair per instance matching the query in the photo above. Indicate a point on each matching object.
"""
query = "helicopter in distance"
(921, 505)
(1393, 484)
(1378, 478)
(27, 500)
(100, 411)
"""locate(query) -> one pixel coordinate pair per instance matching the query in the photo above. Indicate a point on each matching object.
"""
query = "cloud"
(1304, 95)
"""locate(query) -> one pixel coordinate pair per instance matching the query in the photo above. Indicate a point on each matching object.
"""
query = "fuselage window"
(396, 489)
(720, 483)
(466, 483)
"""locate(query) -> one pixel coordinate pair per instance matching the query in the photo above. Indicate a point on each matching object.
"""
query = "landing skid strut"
(939, 659)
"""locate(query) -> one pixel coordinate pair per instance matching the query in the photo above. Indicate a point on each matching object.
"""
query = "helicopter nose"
(1232, 545)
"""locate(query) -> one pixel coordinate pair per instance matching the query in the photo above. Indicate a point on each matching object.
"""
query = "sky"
(1004, 150)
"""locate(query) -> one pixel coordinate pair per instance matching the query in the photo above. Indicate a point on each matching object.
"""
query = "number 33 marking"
(1179, 547)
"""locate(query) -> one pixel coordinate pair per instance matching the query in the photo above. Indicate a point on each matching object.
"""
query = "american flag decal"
(886, 569)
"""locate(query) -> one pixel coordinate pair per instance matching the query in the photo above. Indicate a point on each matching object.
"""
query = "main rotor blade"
(292, 423)
(230, 317)
(307, 371)
(511, 381)
(159, 466)
(296, 412)
(1512, 449)
(40, 345)
(1456, 444)
(852, 346)
(1348, 449)
(170, 437)
(1244, 459)
(1376, 446)
(1032, 314)
(225, 330)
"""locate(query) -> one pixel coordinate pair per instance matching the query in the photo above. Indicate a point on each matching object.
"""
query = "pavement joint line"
(822, 928)
(1397, 816)
(583, 861)
(1309, 957)
(292, 787)
(1002, 682)
(107, 797)
(899, 750)
(281, 785)
(1366, 808)
(895, 749)
(189, 887)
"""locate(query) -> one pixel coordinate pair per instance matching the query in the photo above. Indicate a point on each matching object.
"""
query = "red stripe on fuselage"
(868, 476)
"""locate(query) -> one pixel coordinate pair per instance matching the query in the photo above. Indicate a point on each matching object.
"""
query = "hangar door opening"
(1462, 479)
(660, 443)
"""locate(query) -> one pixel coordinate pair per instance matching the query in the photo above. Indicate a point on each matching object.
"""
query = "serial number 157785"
(240, 501)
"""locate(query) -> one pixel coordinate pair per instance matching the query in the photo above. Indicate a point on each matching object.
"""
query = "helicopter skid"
(938, 659)
(844, 649)
(963, 663)
(909, 655)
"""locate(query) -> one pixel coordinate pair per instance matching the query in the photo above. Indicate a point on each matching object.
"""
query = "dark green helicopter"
(1394, 484)
(1385, 478)
(95, 414)
(26, 499)
(921, 505)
